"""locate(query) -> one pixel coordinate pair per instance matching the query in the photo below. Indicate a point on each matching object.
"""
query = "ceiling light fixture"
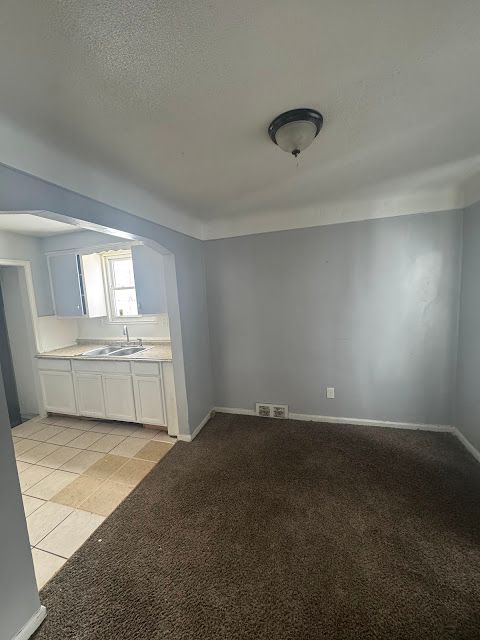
(295, 130)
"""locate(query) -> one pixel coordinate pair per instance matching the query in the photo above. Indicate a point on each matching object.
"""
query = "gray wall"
(21, 192)
(370, 308)
(468, 377)
(18, 592)
(17, 247)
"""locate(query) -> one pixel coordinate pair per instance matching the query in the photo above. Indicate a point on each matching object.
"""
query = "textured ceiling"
(175, 97)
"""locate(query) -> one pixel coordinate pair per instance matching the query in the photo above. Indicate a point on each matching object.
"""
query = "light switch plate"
(330, 392)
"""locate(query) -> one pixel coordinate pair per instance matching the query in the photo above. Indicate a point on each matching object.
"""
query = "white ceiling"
(31, 225)
(175, 98)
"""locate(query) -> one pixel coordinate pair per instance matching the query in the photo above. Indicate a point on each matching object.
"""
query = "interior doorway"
(100, 421)
(6, 365)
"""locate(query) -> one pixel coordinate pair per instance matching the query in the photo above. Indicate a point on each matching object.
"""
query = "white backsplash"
(95, 328)
(55, 333)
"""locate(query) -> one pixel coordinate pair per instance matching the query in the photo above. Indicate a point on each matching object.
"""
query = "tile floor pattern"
(73, 473)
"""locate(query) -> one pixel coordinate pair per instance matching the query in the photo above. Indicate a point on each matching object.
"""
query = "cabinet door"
(149, 275)
(58, 392)
(89, 388)
(149, 400)
(119, 399)
(66, 285)
(93, 285)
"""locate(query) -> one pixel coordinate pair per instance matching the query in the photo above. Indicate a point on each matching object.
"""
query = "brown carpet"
(282, 530)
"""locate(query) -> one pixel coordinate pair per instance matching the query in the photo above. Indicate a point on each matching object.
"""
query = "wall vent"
(280, 411)
(263, 410)
(267, 410)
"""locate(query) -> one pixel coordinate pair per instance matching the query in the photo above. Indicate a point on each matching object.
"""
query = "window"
(121, 285)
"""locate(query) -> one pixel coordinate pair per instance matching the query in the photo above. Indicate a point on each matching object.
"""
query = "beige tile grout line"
(51, 552)
(58, 524)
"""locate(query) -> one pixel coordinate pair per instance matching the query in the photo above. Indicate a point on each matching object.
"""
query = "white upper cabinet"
(94, 286)
(65, 282)
(77, 285)
(149, 274)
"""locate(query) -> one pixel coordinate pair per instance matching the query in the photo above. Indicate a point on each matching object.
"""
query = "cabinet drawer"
(145, 368)
(54, 364)
(101, 366)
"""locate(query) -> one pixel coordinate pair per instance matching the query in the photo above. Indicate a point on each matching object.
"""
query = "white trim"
(103, 247)
(467, 444)
(35, 345)
(321, 214)
(420, 426)
(190, 437)
(354, 421)
(32, 625)
(240, 412)
(109, 283)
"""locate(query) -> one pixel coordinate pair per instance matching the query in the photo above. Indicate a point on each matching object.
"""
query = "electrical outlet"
(330, 392)
(264, 410)
(280, 411)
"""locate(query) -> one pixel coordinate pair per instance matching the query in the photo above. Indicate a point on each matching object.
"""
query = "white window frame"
(108, 257)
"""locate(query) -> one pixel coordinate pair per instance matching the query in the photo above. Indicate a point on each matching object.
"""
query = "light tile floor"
(73, 473)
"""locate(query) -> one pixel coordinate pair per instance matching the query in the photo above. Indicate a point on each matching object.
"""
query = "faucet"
(125, 333)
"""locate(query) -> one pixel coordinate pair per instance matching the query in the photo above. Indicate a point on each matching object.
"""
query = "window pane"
(122, 271)
(125, 301)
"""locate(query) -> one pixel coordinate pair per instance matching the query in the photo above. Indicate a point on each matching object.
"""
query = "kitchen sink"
(101, 351)
(127, 351)
(112, 350)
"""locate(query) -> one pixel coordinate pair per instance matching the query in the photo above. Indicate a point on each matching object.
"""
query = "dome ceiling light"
(295, 130)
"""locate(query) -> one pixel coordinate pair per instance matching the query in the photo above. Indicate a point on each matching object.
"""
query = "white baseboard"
(240, 412)
(366, 422)
(467, 444)
(189, 438)
(355, 421)
(32, 625)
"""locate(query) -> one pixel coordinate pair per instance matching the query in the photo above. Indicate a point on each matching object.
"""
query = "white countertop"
(153, 351)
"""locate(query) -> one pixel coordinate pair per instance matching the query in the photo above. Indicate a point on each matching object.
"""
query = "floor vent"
(266, 410)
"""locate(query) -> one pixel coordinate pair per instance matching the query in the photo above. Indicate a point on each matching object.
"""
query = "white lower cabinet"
(119, 398)
(58, 392)
(90, 399)
(149, 399)
(116, 390)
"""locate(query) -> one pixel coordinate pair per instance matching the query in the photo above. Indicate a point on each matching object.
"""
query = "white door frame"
(25, 270)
